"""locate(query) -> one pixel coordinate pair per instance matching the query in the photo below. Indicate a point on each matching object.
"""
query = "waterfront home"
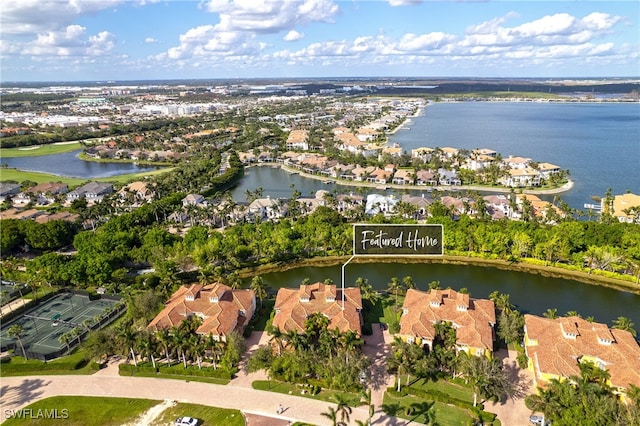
(556, 347)
(293, 306)
(404, 177)
(513, 162)
(380, 176)
(267, 209)
(423, 154)
(421, 204)
(93, 192)
(298, 139)
(377, 203)
(521, 177)
(547, 170)
(448, 177)
(426, 177)
(625, 208)
(347, 202)
(361, 173)
(221, 309)
(543, 210)
(472, 319)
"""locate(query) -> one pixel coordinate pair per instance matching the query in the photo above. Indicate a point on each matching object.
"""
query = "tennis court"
(69, 314)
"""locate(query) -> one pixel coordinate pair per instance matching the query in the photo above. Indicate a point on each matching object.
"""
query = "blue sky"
(88, 40)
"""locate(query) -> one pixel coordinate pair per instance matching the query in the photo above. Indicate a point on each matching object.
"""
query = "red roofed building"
(293, 306)
(555, 348)
(472, 319)
(221, 308)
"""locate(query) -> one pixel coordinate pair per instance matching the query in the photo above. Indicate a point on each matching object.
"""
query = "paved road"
(259, 406)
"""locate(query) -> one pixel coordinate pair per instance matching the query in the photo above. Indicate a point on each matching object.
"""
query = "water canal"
(529, 292)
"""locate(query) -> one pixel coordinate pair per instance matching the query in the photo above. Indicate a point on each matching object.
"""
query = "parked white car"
(186, 421)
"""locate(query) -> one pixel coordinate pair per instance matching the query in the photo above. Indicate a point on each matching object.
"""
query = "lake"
(531, 293)
(599, 143)
(68, 164)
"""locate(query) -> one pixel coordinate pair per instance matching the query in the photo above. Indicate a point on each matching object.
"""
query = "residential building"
(221, 308)
(298, 139)
(377, 203)
(92, 192)
(626, 207)
(293, 306)
(7, 190)
(472, 319)
(556, 347)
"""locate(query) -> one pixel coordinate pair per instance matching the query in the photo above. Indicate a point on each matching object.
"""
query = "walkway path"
(258, 406)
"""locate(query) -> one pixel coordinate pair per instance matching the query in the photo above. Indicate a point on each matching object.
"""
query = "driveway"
(513, 411)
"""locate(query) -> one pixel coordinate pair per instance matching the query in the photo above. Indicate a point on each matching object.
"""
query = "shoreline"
(564, 188)
(525, 267)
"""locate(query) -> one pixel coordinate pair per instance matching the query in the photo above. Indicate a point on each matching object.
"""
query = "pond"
(529, 292)
(69, 164)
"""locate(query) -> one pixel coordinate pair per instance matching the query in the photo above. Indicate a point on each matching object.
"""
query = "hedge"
(177, 370)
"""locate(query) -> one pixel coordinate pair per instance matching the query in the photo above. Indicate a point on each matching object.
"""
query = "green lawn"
(36, 150)
(446, 415)
(294, 389)
(206, 415)
(15, 175)
(82, 411)
(452, 389)
(76, 363)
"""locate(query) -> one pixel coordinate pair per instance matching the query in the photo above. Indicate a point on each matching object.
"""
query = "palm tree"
(551, 313)
(16, 330)
(163, 337)
(259, 288)
(65, 339)
(277, 337)
(624, 323)
(332, 415)
(408, 283)
(147, 346)
(394, 287)
(127, 337)
(343, 408)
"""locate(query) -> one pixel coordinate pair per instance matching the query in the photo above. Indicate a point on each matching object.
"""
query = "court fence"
(80, 332)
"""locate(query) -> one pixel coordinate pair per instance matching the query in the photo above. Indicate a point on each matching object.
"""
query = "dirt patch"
(154, 412)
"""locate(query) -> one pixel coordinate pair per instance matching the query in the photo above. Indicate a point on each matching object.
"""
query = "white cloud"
(72, 41)
(38, 16)
(150, 40)
(293, 35)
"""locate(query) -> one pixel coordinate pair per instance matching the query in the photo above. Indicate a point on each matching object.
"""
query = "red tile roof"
(473, 319)
(221, 308)
(557, 345)
(293, 306)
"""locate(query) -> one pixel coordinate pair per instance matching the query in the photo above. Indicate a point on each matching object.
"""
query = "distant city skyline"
(90, 40)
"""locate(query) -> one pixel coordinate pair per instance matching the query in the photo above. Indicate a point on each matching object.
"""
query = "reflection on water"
(530, 293)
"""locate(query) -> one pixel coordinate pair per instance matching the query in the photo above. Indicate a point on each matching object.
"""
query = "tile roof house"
(472, 319)
(555, 347)
(221, 308)
(621, 207)
(293, 306)
(298, 139)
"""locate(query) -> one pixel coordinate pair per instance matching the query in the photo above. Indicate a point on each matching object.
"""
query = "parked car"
(539, 420)
(186, 421)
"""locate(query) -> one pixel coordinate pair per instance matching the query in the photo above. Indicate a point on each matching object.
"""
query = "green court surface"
(65, 313)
